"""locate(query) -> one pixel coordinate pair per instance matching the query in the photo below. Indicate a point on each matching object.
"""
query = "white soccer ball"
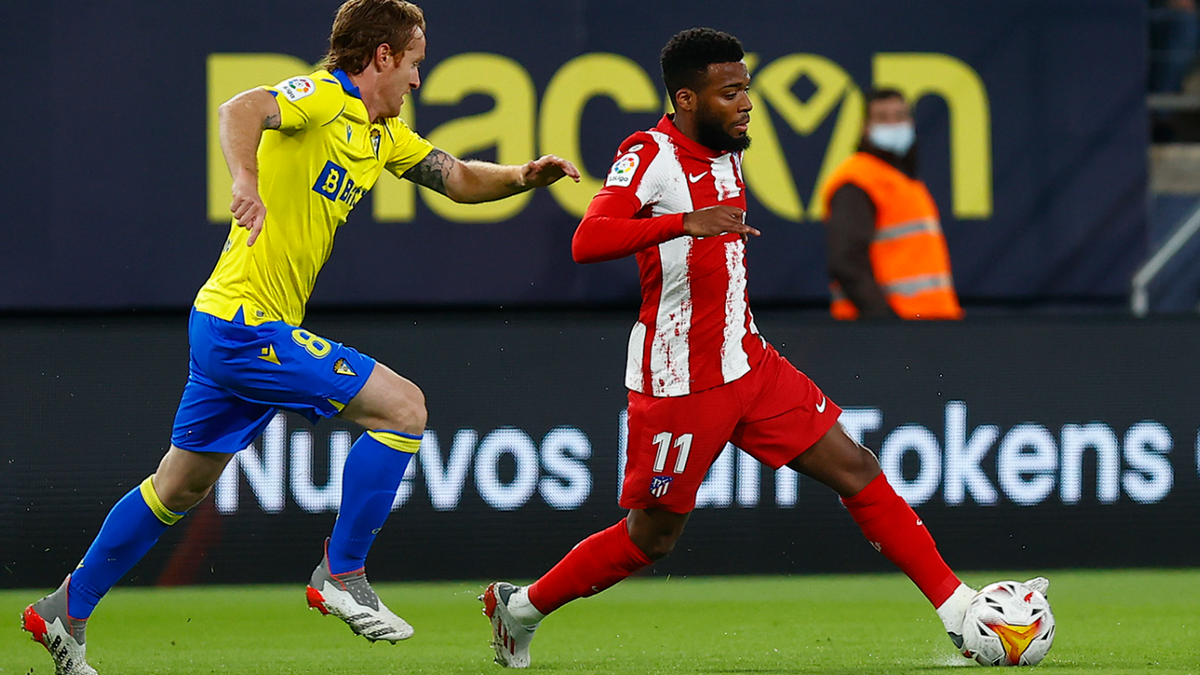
(1008, 624)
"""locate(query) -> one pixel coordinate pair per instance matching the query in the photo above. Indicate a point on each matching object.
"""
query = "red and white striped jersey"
(695, 330)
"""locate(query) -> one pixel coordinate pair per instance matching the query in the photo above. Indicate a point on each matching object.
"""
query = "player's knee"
(864, 463)
(406, 410)
(184, 478)
(181, 496)
(660, 547)
(856, 471)
(409, 411)
(192, 498)
(655, 542)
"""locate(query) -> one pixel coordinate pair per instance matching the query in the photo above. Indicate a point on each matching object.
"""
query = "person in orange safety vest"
(887, 256)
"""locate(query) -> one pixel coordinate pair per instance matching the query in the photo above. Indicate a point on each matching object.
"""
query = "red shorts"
(774, 413)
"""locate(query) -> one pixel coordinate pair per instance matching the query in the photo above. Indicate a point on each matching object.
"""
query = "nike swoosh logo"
(821, 405)
(696, 177)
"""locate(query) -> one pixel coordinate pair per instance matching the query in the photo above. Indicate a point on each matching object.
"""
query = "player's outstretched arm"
(241, 121)
(610, 231)
(473, 181)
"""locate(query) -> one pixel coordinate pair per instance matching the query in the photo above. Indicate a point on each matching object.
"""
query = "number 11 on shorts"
(683, 444)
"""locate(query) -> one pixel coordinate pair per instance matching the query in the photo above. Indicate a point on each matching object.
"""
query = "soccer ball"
(1008, 624)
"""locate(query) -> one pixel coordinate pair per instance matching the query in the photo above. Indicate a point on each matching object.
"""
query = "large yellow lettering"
(507, 127)
(577, 82)
(919, 75)
(228, 75)
(767, 172)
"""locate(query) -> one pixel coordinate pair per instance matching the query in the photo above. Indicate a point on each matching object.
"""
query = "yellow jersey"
(324, 157)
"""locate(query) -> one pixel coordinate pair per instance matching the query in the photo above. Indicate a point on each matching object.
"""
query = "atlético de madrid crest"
(659, 485)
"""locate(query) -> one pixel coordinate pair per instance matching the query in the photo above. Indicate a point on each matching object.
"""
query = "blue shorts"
(239, 376)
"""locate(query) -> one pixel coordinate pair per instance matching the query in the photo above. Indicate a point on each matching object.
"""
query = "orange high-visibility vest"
(908, 254)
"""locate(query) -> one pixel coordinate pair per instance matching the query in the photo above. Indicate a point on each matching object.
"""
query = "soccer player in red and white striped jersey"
(698, 372)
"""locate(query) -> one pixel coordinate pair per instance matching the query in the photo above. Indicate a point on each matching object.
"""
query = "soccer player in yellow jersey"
(331, 134)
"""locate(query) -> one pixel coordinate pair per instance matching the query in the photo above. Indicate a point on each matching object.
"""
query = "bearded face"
(722, 112)
(716, 130)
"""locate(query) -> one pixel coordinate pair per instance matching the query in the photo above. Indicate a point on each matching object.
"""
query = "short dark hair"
(880, 94)
(360, 26)
(687, 55)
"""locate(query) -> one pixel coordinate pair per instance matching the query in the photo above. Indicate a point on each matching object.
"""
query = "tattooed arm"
(241, 121)
(432, 171)
(473, 181)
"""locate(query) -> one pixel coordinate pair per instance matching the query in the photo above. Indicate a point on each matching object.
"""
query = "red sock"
(894, 529)
(595, 564)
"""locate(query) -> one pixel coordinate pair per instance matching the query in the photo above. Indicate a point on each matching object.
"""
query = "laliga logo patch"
(659, 485)
(622, 171)
(297, 88)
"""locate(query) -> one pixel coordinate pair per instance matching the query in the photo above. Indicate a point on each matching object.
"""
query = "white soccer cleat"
(510, 637)
(350, 598)
(953, 611)
(47, 620)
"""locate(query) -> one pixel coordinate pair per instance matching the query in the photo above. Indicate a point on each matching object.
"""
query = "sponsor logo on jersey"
(622, 170)
(297, 88)
(342, 368)
(335, 184)
(659, 485)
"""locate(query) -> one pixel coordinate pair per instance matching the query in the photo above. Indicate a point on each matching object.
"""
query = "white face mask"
(894, 138)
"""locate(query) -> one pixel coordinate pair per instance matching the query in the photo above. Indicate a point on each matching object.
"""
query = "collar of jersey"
(347, 85)
(356, 112)
(667, 126)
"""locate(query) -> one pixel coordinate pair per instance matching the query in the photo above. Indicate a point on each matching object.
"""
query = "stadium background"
(1039, 433)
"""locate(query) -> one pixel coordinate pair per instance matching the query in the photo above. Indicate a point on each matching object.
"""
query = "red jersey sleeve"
(611, 229)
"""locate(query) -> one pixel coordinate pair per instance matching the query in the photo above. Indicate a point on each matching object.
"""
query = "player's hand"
(247, 206)
(546, 170)
(717, 220)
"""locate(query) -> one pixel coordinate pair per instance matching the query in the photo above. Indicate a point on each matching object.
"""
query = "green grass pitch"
(1125, 621)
